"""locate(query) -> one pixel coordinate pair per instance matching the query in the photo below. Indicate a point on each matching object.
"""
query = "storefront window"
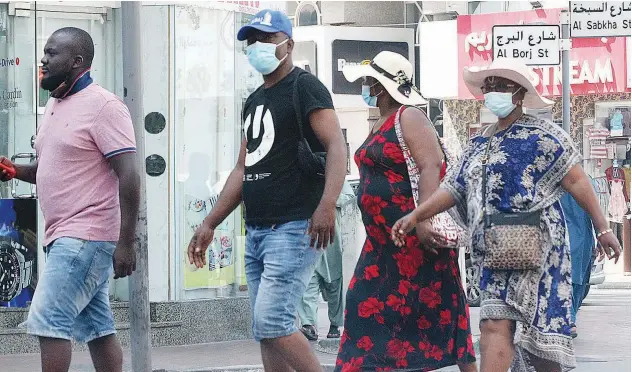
(212, 81)
(24, 29)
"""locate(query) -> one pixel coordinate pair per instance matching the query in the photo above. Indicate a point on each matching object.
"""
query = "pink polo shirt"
(76, 186)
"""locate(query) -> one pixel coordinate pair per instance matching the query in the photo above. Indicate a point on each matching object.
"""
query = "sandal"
(573, 331)
(334, 332)
(310, 332)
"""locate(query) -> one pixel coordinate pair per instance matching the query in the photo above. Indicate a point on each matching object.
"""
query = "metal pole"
(140, 331)
(566, 71)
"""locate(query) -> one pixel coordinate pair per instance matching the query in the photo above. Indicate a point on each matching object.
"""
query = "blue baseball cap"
(267, 20)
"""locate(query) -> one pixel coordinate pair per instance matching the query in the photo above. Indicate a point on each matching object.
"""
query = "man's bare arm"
(126, 168)
(230, 197)
(23, 172)
(325, 124)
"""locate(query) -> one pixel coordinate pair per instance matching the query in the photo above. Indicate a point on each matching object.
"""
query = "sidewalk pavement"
(242, 356)
(616, 281)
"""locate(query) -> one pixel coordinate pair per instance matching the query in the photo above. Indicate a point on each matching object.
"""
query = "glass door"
(18, 121)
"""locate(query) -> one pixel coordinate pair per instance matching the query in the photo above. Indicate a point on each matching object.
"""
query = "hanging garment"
(618, 206)
(626, 188)
(626, 123)
(616, 124)
(602, 189)
(597, 139)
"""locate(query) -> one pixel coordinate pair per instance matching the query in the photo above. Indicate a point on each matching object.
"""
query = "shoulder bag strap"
(413, 171)
(443, 149)
(484, 161)
(296, 100)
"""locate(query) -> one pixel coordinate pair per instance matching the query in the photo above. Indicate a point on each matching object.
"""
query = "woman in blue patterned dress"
(531, 162)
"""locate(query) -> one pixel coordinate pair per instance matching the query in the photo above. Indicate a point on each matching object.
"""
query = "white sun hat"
(395, 74)
(509, 69)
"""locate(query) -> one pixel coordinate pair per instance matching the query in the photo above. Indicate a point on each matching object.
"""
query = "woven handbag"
(513, 241)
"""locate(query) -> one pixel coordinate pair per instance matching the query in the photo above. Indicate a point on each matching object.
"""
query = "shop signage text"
(7, 62)
(8, 98)
(628, 50)
(597, 65)
(535, 45)
(600, 19)
(353, 52)
(252, 4)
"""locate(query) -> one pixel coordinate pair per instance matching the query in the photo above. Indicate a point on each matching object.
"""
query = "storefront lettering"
(482, 41)
(251, 4)
(599, 73)
(8, 98)
(7, 62)
(582, 73)
(343, 62)
(597, 65)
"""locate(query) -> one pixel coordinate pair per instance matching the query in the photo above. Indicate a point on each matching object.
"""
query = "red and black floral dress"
(405, 310)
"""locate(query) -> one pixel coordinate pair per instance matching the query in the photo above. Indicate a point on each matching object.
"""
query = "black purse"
(312, 164)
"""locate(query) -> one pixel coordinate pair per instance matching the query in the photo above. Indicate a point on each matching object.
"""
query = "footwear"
(334, 332)
(310, 332)
(573, 331)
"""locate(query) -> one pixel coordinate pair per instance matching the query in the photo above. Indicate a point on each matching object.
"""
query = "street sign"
(535, 45)
(600, 19)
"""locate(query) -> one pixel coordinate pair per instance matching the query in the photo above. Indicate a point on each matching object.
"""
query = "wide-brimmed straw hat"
(509, 69)
(395, 74)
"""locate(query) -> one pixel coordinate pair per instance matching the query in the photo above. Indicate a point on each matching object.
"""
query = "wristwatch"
(16, 268)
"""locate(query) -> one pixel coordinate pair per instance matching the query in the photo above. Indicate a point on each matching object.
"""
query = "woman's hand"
(429, 238)
(609, 245)
(402, 227)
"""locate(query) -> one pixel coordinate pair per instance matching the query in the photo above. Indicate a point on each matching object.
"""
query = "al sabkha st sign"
(600, 19)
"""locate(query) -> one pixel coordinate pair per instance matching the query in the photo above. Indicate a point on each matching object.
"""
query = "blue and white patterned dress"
(527, 163)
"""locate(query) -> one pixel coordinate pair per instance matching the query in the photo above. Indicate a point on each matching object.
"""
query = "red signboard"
(597, 65)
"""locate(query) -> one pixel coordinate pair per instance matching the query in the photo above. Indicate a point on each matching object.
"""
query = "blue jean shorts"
(71, 299)
(279, 266)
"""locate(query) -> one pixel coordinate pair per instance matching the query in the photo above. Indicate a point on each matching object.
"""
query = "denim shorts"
(71, 299)
(279, 265)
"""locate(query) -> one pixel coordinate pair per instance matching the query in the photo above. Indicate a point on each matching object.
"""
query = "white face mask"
(500, 103)
(262, 56)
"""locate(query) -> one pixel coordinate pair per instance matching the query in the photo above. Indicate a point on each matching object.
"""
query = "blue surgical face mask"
(367, 97)
(262, 56)
(500, 103)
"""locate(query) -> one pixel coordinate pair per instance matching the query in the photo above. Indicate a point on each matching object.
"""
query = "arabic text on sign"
(601, 19)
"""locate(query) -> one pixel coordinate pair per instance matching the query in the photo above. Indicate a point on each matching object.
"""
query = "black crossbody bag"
(312, 163)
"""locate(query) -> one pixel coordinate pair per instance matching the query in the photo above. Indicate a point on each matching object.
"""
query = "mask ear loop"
(377, 95)
(286, 54)
(519, 103)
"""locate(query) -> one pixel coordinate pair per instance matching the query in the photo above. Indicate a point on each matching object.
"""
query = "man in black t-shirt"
(290, 214)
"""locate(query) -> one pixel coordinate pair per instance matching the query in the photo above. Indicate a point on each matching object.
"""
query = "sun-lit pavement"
(603, 343)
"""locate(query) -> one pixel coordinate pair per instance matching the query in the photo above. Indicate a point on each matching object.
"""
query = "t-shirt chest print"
(260, 134)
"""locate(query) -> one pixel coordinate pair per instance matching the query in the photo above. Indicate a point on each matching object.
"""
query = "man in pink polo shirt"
(88, 188)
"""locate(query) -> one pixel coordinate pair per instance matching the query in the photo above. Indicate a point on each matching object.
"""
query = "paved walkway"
(603, 345)
(205, 357)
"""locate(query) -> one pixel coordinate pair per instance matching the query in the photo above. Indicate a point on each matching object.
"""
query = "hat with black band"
(394, 72)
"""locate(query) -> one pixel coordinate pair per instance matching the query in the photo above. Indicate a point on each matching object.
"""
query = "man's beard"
(50, 83)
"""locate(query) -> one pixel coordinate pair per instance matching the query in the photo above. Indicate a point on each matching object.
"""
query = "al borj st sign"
(534, 45)
(600, 19)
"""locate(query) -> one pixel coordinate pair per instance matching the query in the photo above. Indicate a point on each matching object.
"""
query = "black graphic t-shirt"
(274, 191)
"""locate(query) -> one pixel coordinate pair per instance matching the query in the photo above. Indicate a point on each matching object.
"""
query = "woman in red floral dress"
(405, 309)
